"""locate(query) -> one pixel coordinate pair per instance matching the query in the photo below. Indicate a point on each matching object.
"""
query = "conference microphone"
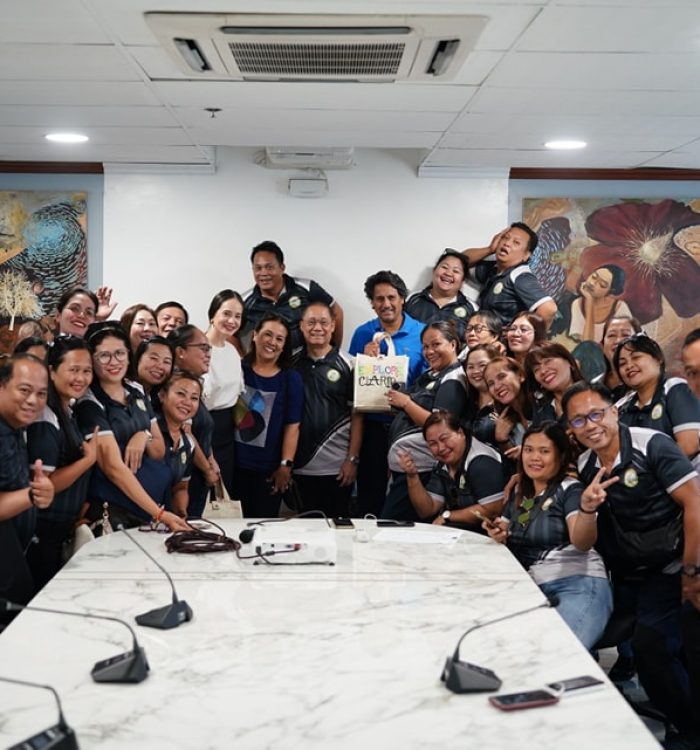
(58, 737)
(171, 615)
(131, 666)
(462, 677)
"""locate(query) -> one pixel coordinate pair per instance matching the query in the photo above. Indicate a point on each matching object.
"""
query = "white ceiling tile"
(545, 102)
(571, 160)
(315, 120)
(676, 160)
(115, 153)
(643, 125)
(259, 137)
(614, 29)
(604, 71)
(477, 67)
(53, 22)
(272, 95)
(85, 117)
(156, 63)
(497, 139)
(76, 93)
(163, 136)
(19, 62)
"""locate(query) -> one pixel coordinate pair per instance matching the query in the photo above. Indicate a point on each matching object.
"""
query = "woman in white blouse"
(223, 384)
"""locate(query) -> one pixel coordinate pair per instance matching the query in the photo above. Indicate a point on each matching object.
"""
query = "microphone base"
(166, 618)
(58, 737)
(129, 667)
(462, 677)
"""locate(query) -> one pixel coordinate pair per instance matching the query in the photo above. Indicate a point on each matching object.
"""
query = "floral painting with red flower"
(601, 257)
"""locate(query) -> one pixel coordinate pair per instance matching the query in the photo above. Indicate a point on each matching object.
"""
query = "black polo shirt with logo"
(650, 466)
(47, 441)
(180, 457)
(509, 292)
(15, 578)
(480, 479)
(545, 528)
(424, 308)
(324, 432)
(14, 475)
(98, 409)
(296, 295)
(672, 409)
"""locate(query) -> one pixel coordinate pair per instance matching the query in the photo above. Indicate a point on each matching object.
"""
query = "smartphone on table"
(526, 699)
(577, 685)
(343, 523)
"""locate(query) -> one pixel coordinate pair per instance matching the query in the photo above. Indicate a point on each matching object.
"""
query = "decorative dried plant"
(17, 298)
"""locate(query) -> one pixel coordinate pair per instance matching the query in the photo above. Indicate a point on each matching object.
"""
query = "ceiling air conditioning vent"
(317, 47)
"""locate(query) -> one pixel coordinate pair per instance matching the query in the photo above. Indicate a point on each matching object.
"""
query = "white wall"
(186, 237)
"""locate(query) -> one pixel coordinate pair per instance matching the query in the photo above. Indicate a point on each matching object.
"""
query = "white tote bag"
(374, 376)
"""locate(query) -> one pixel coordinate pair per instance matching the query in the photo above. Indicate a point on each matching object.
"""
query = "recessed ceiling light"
(66, 137)
(565, 145)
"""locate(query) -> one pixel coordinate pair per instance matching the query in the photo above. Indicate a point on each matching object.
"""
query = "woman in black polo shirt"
(550, 370)
(130, 477)
(467, 483)
(539, 523)
(443, 386)
(67, 457)
(178, 403)
(193, 354)
(659, 403)
(153, 363)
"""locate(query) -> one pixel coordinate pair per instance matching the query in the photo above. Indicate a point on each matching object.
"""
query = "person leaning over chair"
(637, 524)
(23, 392)
(276, 292)
(330, 435)
(467, 483)
(508, 284)
(386, 292)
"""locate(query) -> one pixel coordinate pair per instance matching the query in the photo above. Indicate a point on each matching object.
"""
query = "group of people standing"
(134, 421)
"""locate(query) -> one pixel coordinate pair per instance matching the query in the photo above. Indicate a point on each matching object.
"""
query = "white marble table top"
(305, 657)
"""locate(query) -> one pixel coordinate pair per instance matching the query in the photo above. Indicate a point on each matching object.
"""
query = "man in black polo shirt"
(637, 520)
(508, 284)
(23, 391)
(275, 291)
(330, 435)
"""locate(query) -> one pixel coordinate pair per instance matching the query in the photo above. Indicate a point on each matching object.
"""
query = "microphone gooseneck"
(173, 614)
(463, 677)
(128, 667)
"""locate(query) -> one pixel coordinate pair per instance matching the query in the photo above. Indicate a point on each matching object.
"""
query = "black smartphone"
(389, 522)
(577, 685)
(343, 523)
(528, 699)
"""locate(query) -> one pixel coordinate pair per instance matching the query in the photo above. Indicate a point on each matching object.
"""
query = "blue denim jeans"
(585, 605)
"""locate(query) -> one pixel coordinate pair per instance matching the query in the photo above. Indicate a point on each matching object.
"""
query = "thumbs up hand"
(41, 489)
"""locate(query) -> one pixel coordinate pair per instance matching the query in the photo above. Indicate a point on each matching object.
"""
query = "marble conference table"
(344, 656)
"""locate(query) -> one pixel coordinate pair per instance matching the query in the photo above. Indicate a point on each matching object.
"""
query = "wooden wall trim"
(643, 173)
(51, 167)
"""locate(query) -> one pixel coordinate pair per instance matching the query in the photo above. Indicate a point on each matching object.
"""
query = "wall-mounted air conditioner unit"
(306, 47)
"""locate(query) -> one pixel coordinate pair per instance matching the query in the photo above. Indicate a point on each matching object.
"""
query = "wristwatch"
(353, 459)
(149, 436)
(287, 462)
(446, 515)
(691, 570)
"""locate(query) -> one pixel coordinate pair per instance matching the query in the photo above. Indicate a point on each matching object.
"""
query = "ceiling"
(622, 75)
